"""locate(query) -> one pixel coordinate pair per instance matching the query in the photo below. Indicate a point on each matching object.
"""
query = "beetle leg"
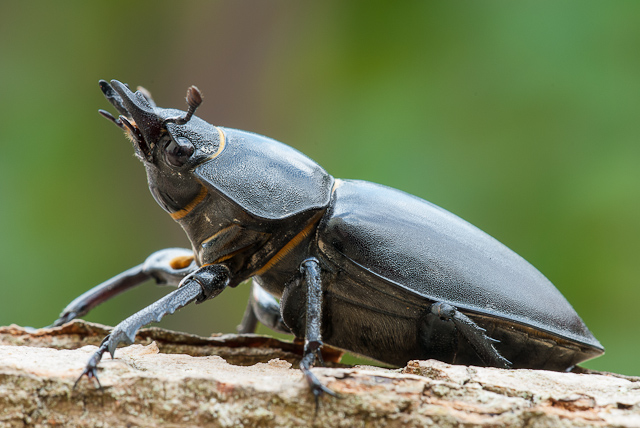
(170, 266)
(166, 266)
(249, 322)
(126, 330)
(473, 333)
(82, 304)
(203, 284)
(91, 369)
(262, 307)
(313, 337)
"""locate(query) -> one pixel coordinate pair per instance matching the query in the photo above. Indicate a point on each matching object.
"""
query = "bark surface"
(178, 380)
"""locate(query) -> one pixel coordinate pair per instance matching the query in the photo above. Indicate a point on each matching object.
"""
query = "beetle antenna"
(194, 99)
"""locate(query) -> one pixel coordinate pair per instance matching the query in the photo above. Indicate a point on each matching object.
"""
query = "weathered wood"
(146, 387)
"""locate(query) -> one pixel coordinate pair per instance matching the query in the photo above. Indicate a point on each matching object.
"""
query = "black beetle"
(357, 265)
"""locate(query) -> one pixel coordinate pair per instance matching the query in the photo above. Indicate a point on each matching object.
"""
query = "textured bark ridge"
(179, 380)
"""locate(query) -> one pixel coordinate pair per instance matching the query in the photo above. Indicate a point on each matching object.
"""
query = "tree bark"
(179, 380)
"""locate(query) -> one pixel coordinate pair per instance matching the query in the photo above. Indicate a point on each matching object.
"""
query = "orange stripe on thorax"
(203, 191)
(290, 245)
(191, 205)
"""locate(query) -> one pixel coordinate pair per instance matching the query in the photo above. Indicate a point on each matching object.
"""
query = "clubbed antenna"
(194, 99)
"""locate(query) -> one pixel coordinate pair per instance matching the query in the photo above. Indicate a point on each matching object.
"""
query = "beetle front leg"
(168, 266)
(205, 283)
(313, 337)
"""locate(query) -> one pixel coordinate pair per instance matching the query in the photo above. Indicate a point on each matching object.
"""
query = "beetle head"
(171, 143)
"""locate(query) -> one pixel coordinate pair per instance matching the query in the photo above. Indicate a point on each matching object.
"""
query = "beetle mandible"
(356, 265)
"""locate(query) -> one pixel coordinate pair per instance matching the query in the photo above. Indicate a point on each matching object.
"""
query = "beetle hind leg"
(474, 334)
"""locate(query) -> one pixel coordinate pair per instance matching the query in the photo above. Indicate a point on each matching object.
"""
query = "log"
(173, 379)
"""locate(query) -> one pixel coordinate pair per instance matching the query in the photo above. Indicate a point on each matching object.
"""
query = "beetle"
(357, 265)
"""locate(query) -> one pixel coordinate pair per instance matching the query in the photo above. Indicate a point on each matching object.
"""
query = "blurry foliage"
(520, 117)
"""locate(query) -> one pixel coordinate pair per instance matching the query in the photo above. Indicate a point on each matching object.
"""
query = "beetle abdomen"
(436, 256)
(399, 328)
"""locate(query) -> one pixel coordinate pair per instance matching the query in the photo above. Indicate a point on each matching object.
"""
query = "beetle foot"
(91, 369)
(92, 373)
(317, 388)
(64, 318)
(125, 332)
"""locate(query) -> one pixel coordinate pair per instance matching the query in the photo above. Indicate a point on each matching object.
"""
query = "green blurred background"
(520, 117)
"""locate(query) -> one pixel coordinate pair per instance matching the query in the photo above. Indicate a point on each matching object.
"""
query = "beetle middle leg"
(310, 270)
(473, 333)
(262, 307)
(205, 283)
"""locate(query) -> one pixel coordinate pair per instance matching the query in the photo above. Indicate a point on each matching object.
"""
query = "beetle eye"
(178, 151)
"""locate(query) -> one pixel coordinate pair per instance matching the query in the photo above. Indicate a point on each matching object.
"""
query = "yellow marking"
(217, 234)
(290, 246)
(214, 236)
(203, 191)
(191, 205)
(180, 262)
(223, 143)
(223, 258)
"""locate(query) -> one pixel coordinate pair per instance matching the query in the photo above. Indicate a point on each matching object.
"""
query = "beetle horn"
(147, 95)
(194, 99)
(114, 98)
(141, 114)
(138, 108)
